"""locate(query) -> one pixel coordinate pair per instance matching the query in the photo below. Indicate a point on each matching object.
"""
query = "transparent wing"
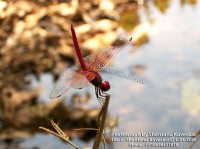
(99, 62)
(90, 60)
(83, 79)
(70, 78)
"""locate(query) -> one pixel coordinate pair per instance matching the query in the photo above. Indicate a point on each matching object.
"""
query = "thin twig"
(59, 134)
(100, 116)
(99, 136)
(101, 119)
(197, 138)
(104, 142)
(86, 129)
(59, 131)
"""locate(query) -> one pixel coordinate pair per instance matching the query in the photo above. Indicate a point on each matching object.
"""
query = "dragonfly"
(90, 70)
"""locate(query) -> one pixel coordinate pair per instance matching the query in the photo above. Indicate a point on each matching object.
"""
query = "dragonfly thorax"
(97, 80)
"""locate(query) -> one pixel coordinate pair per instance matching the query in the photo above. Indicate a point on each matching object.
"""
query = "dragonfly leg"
(102, 93)
(98, 96)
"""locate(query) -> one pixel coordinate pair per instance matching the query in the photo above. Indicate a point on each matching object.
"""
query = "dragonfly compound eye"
(105, 86)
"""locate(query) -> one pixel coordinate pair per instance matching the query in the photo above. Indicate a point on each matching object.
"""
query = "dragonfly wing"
(97, 63)
(89, 60)
(84, 78)
(68, 78)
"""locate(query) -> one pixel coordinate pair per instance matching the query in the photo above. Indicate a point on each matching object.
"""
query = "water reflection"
(191, 2)
(162, 5)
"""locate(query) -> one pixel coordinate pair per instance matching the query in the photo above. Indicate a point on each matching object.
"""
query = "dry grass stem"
(99, 136)
(79, 129)
(101, 123)
(59, 133)
(193, 143)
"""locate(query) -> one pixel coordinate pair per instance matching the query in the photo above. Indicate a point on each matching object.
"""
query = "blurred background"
(36, 46)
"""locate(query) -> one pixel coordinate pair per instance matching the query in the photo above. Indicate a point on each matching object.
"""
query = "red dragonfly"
(91, 66)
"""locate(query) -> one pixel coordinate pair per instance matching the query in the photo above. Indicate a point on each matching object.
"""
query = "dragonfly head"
(105, 86)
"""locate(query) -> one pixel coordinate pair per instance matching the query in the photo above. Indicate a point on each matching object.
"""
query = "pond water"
(169, 62)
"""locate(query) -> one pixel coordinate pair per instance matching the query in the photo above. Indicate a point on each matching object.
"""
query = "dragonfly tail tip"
(72, 27)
